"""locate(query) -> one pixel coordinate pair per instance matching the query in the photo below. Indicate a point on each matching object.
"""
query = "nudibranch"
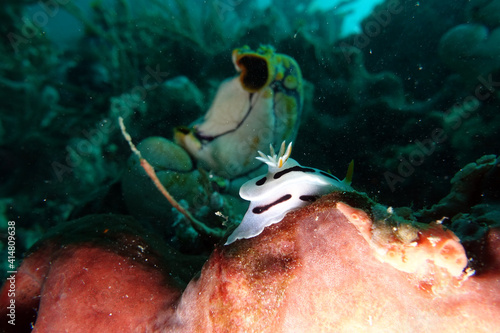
(259, 107)
(286, 186)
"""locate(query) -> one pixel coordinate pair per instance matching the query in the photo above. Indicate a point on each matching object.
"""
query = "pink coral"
(320, 270)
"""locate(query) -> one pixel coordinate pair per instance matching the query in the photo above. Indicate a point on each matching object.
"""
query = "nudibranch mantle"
(286, 186)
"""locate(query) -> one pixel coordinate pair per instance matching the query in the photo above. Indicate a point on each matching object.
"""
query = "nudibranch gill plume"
(286, 186)
(259, 107)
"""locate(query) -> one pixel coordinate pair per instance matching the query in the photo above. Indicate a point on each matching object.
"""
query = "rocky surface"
(317, 270)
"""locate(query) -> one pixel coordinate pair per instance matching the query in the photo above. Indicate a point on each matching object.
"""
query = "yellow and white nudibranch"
(259, 107)
(286, 186)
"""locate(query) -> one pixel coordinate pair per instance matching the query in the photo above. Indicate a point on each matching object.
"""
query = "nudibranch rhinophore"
(286, 186)
(260, 107)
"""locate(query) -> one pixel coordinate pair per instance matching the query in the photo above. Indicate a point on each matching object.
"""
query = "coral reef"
(413, 99)
(471, 208)
(324, 267)
(388, 101)
(471, 49)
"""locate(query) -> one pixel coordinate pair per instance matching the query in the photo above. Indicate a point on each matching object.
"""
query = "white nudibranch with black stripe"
(286, 186)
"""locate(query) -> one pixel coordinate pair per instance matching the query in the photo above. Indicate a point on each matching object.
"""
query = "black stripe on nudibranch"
(326, 174)
(292, 169)
(262, 209)
(309, 198)
(261, 181)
